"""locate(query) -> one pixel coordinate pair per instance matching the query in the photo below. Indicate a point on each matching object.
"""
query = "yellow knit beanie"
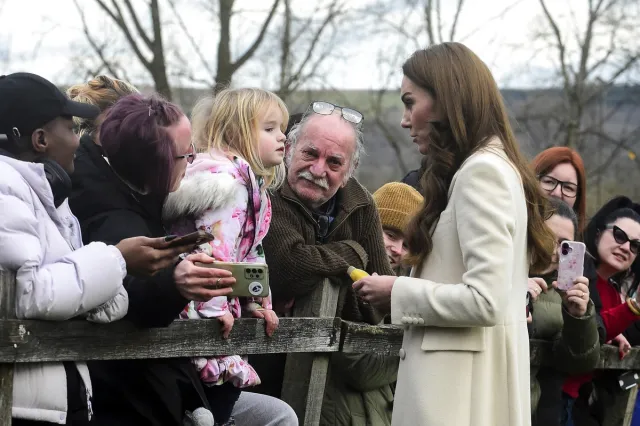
(397, 203)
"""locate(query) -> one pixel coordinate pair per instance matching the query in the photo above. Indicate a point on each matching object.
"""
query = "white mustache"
(321, 182)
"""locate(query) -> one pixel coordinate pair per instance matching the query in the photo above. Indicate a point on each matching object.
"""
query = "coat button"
(402, 354)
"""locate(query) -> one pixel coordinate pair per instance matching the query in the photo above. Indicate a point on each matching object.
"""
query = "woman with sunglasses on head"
(561, 175)
(119, 189)
(612, 238)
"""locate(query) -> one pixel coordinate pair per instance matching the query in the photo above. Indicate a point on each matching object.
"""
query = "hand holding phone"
(147, 256)
(570, 264)
(193, 239)
(576, 299)
(252, 279)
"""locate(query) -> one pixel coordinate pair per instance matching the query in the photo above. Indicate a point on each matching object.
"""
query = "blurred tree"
(589, 57)
(147, 42)
(590, 100)
(308, 42)
(410, 25)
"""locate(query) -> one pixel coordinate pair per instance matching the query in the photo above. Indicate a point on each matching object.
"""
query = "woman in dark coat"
(108, 198)
(118, 190)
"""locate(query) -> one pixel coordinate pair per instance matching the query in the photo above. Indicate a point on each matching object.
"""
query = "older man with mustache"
(323, 222)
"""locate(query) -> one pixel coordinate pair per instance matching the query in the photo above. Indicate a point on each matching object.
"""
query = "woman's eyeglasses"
(621, 238)
(548, 183)
(190, 156)
(326, 108)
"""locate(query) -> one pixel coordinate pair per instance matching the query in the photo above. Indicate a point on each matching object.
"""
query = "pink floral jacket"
(220, 194)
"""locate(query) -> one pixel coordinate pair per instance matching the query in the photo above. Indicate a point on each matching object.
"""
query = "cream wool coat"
(465, 356)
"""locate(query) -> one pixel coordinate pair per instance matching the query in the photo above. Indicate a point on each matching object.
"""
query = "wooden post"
(7, 311)
(631, 405)
(305, 375)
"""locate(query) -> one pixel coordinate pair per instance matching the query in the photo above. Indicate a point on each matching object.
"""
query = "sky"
(45, 37)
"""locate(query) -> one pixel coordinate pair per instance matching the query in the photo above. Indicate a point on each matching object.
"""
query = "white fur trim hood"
(199, 192)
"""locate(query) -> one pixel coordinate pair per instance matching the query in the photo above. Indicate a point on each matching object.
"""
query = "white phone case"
(570, 264)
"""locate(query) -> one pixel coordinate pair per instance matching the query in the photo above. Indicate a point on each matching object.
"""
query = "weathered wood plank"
(305, 375)
(7, 295)
(7, 311)
(363, 338)
(631, 405)
(37, 341)
(610, 359)
(540, 354)
(6, 393)
(31, 341)
(387, 339)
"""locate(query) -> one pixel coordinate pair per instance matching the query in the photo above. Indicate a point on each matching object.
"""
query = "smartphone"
(194, 239)
(529, 304)
(252, 279)
(570, 263)
(628, 380)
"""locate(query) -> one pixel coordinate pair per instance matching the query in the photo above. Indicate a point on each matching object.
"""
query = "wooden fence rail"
(309, 340)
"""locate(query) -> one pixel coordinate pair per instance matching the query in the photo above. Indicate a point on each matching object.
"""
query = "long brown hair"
(548, 159)
(473, 111)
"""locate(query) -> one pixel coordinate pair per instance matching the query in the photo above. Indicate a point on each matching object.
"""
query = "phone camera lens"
(260, 271)
(254, 271)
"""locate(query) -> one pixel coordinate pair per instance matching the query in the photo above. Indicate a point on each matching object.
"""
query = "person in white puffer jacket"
(56, 277)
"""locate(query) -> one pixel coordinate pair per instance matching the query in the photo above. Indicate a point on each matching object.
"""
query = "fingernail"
(170, 238)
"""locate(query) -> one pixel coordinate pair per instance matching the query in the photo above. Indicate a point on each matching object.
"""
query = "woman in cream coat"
(465, 355)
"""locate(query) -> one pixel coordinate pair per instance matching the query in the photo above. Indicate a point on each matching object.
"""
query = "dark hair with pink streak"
(136, 142)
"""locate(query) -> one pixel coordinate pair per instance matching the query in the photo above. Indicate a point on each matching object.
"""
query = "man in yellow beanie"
(397, 203)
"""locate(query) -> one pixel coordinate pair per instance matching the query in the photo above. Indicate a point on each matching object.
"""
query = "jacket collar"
(95, 152)
(200, 191)
(92, 150)
(33, 174)
(104, 178)
(493, 145)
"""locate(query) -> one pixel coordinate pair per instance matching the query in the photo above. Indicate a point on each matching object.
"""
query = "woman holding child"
(137, 153)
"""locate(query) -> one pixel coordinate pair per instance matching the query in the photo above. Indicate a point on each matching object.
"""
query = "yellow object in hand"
(356, 274)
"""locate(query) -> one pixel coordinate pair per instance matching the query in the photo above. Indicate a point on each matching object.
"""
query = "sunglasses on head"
(326, 108)
(621, 238)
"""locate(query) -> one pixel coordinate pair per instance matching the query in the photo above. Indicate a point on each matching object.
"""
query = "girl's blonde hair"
(101, 91)
(229, 122)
